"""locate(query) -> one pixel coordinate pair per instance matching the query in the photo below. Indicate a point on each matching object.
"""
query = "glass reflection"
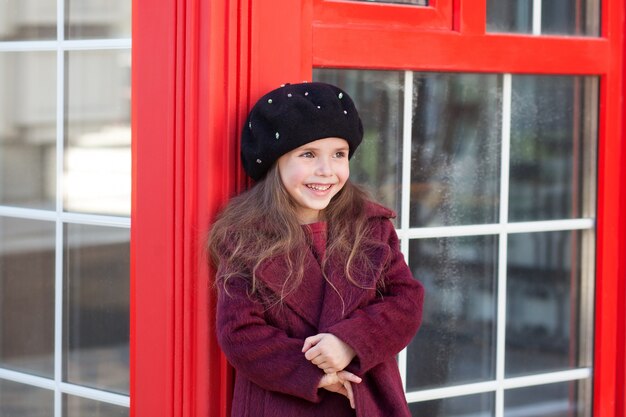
(510, 16)
(378, 96)
(481, 405)
(568, 399)
(544, 327)
(456, 342)
(96, 328)
(27, 295)
(79, 407)
(22, 20)
(20, 400)
(570, 17)
(455, 155)
(97, 152)
(553, 139)
(89, 19)
(28, 129)
(562, 17)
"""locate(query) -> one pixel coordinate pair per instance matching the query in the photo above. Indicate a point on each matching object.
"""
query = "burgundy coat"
(265, 344)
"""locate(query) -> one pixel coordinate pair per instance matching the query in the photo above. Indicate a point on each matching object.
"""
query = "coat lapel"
(352, 296)
(306, 300)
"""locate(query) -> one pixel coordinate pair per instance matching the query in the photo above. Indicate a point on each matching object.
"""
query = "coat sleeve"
(385, 326)
(264, 354)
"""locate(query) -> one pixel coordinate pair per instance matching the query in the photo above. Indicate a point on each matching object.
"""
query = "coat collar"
(317, 300)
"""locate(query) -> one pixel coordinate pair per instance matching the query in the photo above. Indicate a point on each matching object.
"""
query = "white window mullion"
(406, 187)
(60, 132)
(536, 13)
(502, 248)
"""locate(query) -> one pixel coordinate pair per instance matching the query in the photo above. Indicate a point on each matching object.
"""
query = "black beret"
(293, 115)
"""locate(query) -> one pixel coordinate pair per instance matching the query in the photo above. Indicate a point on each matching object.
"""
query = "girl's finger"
(348, 376)
(311, 341)
(350, 395)
(318, 360)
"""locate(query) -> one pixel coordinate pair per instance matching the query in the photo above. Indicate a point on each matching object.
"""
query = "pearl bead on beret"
(293, 115)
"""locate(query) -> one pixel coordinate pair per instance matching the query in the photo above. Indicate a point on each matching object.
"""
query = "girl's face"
(313, 174)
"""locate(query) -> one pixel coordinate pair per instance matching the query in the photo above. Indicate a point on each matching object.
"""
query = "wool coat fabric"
(264, 343)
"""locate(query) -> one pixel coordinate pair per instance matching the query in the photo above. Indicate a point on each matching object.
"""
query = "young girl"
(314, 296)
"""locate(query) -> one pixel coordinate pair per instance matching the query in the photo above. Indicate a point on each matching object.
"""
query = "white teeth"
(319, 187)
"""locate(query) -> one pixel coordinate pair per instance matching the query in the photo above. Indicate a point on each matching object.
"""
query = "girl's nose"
(323, 167)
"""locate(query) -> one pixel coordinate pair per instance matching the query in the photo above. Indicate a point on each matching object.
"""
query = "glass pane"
(27, 295)
(80, 407)
(19, 400)
(27, 129)
(97, 153)
(456, 343)
(378, 96)
(88, 19)
(553, 136)
(562, 17)
(455, 155)
(545, 322)
(515, 16)
(413, 2)
(22, 20)
(567, 399)
(481, 405)
(96, 280)
(570, 17)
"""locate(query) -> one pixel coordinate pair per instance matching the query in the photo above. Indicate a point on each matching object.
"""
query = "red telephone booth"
(494, 129)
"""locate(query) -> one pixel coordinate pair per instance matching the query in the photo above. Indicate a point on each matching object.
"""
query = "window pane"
(514, 16)
(22, 20)
(80, 407)
(455, 155)
(456, 342)
(546, 323)
(27, 295)
(96, 283)
(19, 400)
(89, 19)
(570, 17)
(378, 96)
(562, 17)
(567, 399)
(552, 147)
(97, 153)
(27, 129)
(481, 405)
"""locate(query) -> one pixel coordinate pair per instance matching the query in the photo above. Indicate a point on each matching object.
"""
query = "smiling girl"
(314, 296)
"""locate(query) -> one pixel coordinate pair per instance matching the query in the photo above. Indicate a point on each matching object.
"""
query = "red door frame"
(198, 65)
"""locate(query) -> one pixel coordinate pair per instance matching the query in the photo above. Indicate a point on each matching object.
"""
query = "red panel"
(153, 84)
(281, 44)
(621, 315)
(450, 51)
(437, 15)
(184, 167)
(610, 244)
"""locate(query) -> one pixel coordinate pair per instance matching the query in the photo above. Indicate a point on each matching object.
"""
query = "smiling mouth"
(319, 187)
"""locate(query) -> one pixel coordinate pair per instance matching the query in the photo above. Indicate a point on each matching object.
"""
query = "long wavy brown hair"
(261, 223)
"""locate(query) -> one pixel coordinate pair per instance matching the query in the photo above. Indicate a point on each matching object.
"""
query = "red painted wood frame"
(197, 66)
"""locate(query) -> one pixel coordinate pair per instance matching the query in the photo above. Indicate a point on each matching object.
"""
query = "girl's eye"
(307, 155)
(340, 154)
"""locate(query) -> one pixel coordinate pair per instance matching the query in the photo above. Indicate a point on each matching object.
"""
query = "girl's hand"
(328, 352)
(340, 383)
